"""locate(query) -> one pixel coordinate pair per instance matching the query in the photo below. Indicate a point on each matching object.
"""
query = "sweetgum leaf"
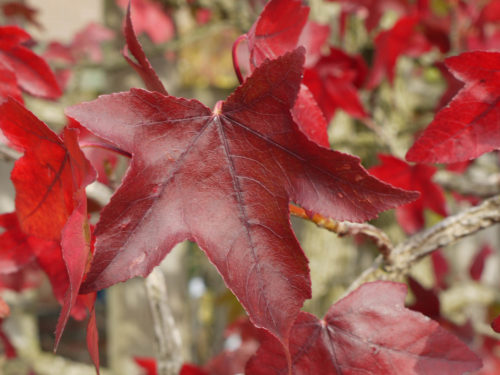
(368, 332)
(224, 179)
(468, 126)
(415, 177)
(32, 72)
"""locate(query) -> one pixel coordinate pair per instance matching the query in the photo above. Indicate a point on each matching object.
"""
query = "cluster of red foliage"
(224, 179)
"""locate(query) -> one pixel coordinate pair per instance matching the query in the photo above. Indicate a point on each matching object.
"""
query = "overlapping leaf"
(32, 73)
(469, 125)
(368, 332)
(50, 181)
(415, 177)
(224, 179)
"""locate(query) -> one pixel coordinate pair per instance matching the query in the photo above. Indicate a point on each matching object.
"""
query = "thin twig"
(484, 188)
(343, 228)
(446, 232)
(168, 338)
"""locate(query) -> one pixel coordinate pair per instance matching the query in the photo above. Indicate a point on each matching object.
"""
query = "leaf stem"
(346, 228)
(234, 52)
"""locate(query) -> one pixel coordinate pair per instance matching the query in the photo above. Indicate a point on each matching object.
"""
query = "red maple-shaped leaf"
(412, 177)
(224, 179)
(334, 82)
(368, 332)
(16, 10)
(149, 17)
(32, 72)
(468, 126)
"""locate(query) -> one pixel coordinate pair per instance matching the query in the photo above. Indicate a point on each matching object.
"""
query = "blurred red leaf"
(15, 9)
(149, 17)
(233, 170)
(369, 331)
(32, 72)
(87, 42)
(403, 38)
(477, 266)
(468, 126)
(412, 177)
(334, 81)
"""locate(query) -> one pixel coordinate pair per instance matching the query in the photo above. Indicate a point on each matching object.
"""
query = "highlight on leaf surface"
(200, 175)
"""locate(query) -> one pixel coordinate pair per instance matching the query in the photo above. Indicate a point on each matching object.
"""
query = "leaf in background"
(224, 179)
(14, 9)
(468, 126)
(334, 82)
(313, 37)
(477, 266)
(32, 72)
(373, 10)
(368, 332)
(415, 177)
(277, 30)
(403, 38)
(87, 42)
(149, 17)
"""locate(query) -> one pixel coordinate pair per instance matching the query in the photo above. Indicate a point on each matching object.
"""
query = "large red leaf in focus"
(224, 179)
(32, 72)
(415, 177)
(334, 82)
(279, 28)
(368, 332)
(403, 38)
(149, 17)
(469, 125)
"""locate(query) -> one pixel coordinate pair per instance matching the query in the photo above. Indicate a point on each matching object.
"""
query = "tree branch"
(446, 232)
(344, 228)
(168, 338)
(484, 187)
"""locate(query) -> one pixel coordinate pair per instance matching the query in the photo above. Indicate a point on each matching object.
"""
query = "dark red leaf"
(334, 82)
(277, 30)
(496, 324)
(197, 174)
(468, 126)
(440, 266)
(415, 177)
(477, 266)
(143, 68)
(402, 38)
(426, 300)
(368, 332)
(149, 17)
(32, 72)
(92, 333)
(16, 9)
(188, 369)
(87, 42)
(10, 351)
